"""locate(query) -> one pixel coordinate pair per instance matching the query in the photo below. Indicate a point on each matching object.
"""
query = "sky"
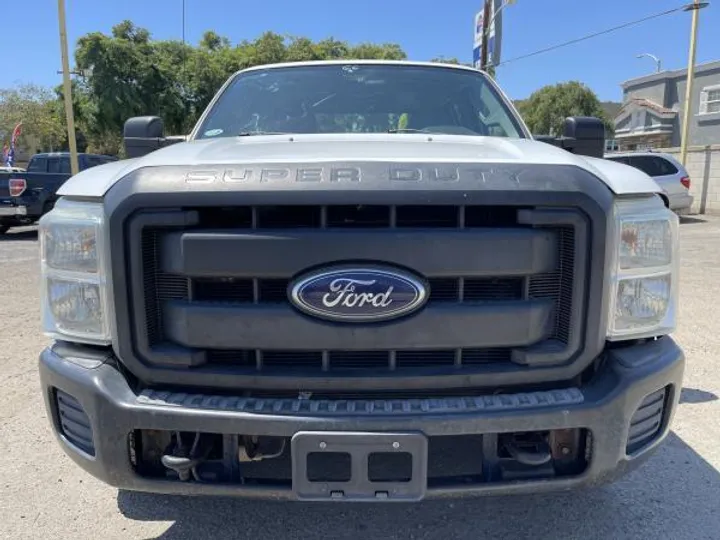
(424, 28)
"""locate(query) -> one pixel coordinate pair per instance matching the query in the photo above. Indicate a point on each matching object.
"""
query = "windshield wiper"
(407, 130)
(450, 130)
(253, 133)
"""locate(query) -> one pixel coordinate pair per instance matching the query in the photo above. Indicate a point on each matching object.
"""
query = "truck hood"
(328, 148)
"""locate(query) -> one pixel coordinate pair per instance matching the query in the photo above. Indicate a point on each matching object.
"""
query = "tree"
(40, 113)
(331, 49)
(546, 109)
(386, 51)
(212, 41)
(130, 74)
(301, 49)
(443, 60)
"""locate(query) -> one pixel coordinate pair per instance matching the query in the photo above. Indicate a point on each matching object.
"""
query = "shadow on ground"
(691, 220)
(23, 234)
(674, 495)
(693, 395)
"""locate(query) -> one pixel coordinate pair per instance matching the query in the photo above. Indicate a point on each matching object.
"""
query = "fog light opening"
(542, 454)
(73, 423)
(649, 420)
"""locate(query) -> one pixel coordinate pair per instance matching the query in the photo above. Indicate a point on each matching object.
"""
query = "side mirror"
(584, 135)
(588, 135)
(145, 134)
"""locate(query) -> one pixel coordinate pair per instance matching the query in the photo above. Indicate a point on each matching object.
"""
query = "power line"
(596, 34)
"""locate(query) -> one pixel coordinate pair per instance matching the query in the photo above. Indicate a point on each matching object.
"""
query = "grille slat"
(492, 289)
(366, 217)
(311, 359)
(272, 290)
(223, 290)
(158, 286)
(425, 358)
(444, 289)
(474, 357)
(358, 216)
(260, 290)
(359, 360)
(289, 217)
(372, 361)
(558, 285)
(148, 249)
(427, 216)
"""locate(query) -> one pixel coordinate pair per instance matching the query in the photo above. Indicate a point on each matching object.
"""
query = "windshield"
(361, 98)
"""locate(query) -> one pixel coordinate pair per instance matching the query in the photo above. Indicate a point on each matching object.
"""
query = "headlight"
(644, 277)
(645, 244)
(71, 246)
(73, 273)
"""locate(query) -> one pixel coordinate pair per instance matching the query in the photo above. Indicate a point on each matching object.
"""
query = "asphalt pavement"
(675, 495)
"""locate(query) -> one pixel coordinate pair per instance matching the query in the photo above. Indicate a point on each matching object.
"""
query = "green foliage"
(127, 73)
(403, 121)
(451, 60)
(130, 74)
(369, 51)
(546, 109)
(39, 111)
(443, 60)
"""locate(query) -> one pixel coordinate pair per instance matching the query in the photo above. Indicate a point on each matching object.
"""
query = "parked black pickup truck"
(26, 196)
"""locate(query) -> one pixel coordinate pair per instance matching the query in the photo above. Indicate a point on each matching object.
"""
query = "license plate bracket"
(359, 446)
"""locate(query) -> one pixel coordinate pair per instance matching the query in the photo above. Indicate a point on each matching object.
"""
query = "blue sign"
(358, 294)
(477, 60)
(494, 34)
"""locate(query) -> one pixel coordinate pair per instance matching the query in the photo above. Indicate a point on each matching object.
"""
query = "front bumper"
(604, 407)
(681, 202)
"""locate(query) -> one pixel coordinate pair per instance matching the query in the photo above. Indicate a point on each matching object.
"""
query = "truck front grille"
(165, 289)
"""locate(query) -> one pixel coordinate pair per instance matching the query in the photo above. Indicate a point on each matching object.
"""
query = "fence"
(703, 166)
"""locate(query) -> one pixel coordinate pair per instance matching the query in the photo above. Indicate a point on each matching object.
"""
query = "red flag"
(15, 134)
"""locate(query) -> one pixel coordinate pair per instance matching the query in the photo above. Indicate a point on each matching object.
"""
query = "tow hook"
(255, 448)
(531, 451)
(183, 460)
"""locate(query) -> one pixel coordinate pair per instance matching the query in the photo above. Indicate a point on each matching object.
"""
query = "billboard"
(494, 33)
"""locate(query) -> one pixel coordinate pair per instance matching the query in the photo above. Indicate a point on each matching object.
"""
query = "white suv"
(668, 172)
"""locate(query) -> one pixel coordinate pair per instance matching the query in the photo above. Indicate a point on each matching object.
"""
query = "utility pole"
(485, 26)
(67, 89)
(695, 7)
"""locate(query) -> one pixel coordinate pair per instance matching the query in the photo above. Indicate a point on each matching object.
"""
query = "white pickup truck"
(357, 281)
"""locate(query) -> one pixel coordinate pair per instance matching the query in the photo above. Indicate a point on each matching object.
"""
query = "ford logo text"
(358, 294)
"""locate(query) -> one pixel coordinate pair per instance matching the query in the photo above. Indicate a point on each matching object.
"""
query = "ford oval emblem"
(358, 294)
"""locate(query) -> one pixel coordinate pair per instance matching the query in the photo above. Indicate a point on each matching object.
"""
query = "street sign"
(494, 34)
(477, 42)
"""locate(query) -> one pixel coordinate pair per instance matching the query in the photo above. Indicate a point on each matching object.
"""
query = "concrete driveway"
(674, 495)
